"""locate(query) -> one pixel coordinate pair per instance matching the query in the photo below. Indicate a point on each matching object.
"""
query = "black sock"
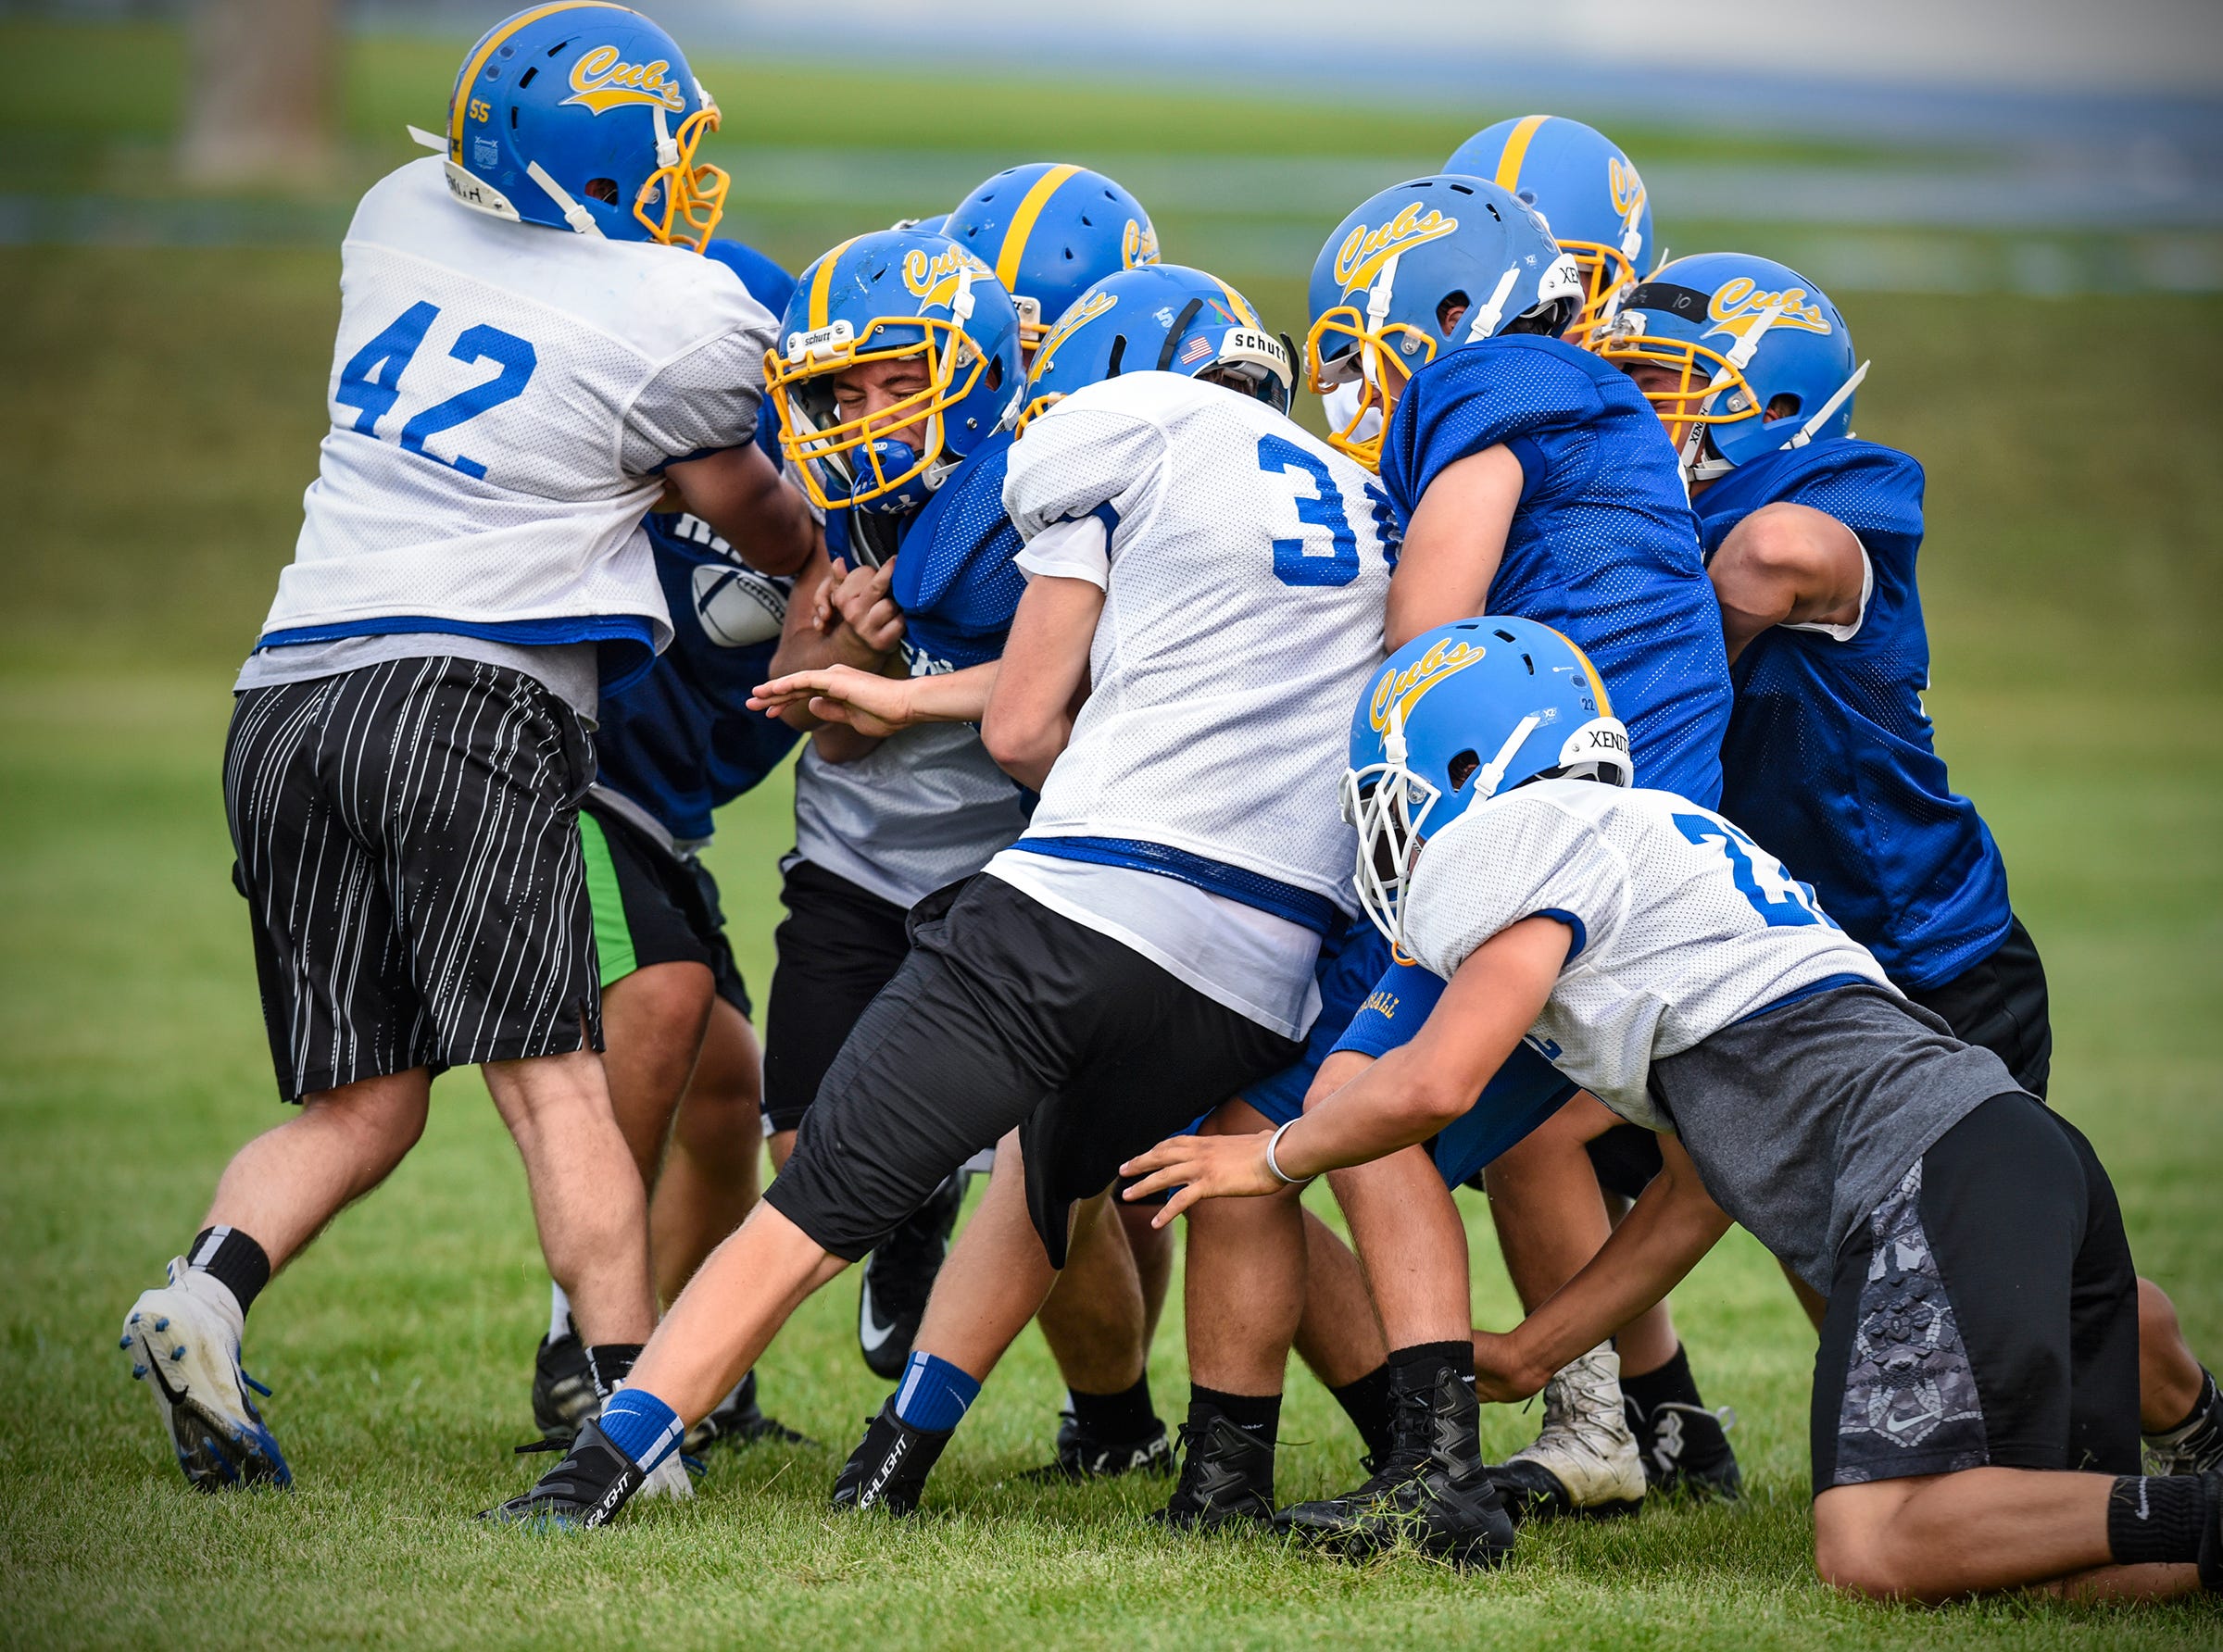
(1366, 1403)
(610, 1364)
(1670, 1385)
(1127, 1415)
(1415, 1369)
(2201, 1407)
(1258, 1415)
(233, 1259)
(2154, 1518)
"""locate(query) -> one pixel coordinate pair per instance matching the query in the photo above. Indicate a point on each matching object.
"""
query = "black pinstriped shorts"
(408, 841)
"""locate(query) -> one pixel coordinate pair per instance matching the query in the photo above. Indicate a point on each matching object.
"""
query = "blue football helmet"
(584, 116)
(1582, 186)
(931, 223)
(1459, 714)
(892, 296)
(1740, 355)
(1051, 232)
(1163, 317)
(1428, 266)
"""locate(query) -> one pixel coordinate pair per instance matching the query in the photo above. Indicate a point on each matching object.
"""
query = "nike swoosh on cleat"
(176, 1397)
(873, 1336)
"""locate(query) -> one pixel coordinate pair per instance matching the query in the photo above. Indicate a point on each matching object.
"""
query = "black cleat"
(1084, 1456)
(1226, 1480)
(563, 1387)
(739, 1420)
(585, 1490)
(2211, 1534)
(898, 1277)
(889, 1466)
(1686, 1450)
(1430, 1491)
(2196, 1444)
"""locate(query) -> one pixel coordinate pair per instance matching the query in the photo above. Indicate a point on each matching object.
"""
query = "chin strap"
(1493, 772)
(1485, 323)
(666, 147)
(1828, 409)
(425, 140)
(578, 216)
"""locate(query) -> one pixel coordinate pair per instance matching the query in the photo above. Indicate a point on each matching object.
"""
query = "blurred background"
(2018, 206)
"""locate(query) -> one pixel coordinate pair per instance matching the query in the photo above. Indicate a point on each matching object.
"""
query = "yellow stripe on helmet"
(1606, 704)
(821, 285)
(1235, 302)
(1516, 151)
(1023, 222)
(469, 76)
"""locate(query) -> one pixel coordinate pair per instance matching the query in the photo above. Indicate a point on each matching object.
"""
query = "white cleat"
(184, 1339)
(1584, 1462)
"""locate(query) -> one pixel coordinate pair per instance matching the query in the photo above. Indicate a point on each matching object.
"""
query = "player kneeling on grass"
(1975, 1414)
(1148, 949)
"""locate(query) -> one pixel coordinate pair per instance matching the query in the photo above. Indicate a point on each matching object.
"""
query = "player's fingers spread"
(1182, 1199)
(1164, 1153)
(1157, 1181)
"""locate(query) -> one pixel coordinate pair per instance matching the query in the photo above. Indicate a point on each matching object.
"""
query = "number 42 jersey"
(1681, 923)
(504, 398)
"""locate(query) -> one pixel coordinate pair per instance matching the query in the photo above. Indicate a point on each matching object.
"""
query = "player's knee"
(380, 1119)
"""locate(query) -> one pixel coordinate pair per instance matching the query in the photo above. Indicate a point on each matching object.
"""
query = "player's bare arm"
(1406, 1097)
(816, 638)
(739, 493)
(1786, 564)
(1453, 544)
(1029, 714)
(1671, 1226)
(875, 705)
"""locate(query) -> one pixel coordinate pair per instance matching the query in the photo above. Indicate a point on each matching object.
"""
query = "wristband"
(1274, 1164)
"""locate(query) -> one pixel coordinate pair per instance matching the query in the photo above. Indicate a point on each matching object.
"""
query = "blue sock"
(934, 1394)
(641, 1425)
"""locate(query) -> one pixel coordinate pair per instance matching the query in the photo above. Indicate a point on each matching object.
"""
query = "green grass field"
(160, 418)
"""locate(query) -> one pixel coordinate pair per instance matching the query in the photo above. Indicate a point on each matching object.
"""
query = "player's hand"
(859, 596)
(1502, 1375)
(871, 704)
(1196, 1167)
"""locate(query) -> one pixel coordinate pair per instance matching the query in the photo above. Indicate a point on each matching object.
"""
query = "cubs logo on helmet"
(1587, 190)
(1164, 318)
(584, 115)
(1739, 355)
(1428, 266)
(1050, 230)
(892, 299)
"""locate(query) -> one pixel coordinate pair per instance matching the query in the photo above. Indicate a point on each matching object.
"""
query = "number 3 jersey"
(1246, 568)
(1681, 924)
(503, 397)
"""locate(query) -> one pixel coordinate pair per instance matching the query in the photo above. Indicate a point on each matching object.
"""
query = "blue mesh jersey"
(956, 579)
(1603, 546)
(682, 740)
(1828, 762)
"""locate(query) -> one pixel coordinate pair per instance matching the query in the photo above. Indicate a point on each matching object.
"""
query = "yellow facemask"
(682, 202)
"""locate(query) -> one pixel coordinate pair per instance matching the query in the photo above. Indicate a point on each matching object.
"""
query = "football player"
(1149, 948)
(685, 1076)
(1812, 538)
(1525, 478)
(531, 348)
(1975, 1410)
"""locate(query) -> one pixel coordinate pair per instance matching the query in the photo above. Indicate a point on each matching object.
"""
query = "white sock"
(560, 1313)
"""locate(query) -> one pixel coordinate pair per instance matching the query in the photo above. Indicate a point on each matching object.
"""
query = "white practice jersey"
(1246, 566)
(1682, 924)
(502, 397)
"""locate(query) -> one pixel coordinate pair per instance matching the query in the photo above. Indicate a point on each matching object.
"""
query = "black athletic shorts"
(408, 841)
(838, 946)
(651, 906)
(1008, 1015)
(1997, 1002)
(1986, 1314)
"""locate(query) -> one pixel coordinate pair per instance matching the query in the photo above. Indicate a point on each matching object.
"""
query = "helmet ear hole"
(604, 190)
(1783, 406)
(1449, 311)
(1461, 769)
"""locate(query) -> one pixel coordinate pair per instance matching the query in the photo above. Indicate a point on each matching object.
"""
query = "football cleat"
(563, 1387)
(1585, 1461)
(1686, 1450)
(587, 1489)
(1226, 1480)
(889, 1466)
(1429, 1491)
(1084, 1456)
(739, 1420)
(184, 1339)
(898, 1277)
(2211, 1534)
(2196, 1446)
